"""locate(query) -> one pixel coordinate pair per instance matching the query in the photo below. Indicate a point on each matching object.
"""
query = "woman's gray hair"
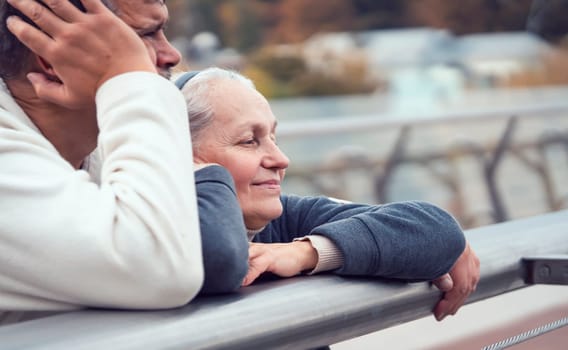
(200, 106)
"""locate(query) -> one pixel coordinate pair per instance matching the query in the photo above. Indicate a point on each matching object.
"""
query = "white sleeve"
(133, 241)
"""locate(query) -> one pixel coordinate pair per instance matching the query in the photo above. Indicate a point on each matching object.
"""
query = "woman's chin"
(262, 216)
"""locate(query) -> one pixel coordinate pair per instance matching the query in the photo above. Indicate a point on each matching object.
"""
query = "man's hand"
(282, 259)
(80, 50)
(458, 284)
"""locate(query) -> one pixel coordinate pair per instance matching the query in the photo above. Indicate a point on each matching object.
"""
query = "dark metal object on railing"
(547, 269)
(298, 313)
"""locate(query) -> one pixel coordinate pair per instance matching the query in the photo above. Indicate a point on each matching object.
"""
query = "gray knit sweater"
(413, 241)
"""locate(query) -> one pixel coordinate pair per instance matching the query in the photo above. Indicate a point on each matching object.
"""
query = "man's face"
(148, 18)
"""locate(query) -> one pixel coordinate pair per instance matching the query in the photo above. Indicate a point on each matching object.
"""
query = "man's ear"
(47, 69)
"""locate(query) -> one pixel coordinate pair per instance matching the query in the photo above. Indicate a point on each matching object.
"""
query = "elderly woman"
(240, 169)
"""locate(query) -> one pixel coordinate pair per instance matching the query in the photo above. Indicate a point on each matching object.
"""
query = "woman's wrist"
(307, 255)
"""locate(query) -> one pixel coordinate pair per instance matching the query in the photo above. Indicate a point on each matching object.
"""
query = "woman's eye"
(249, 142)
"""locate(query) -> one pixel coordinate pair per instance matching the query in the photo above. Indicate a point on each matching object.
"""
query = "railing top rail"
(296, 313)
(319, 127)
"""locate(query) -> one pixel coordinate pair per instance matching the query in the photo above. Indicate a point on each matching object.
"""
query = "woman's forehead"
(240, 104)
(267, 122)
(246, 119)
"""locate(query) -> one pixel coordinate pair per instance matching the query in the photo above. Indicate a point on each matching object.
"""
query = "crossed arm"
(411, 241)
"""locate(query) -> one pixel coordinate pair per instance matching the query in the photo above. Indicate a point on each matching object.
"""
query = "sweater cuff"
(329, 256)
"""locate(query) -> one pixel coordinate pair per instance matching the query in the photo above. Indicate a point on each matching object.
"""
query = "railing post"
(381, 181)
(490, 168)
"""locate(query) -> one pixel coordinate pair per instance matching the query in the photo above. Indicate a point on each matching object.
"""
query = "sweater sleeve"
(329, 257)
(414, 241)
(131, 242)
(223, 234)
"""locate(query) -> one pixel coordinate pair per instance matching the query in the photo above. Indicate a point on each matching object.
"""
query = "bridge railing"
(456, 156)
(297, 313)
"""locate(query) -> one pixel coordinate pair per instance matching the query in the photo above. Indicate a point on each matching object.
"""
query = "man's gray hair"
(200, 106)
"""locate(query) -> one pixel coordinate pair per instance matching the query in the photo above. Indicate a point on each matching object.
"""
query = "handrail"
(297, 313)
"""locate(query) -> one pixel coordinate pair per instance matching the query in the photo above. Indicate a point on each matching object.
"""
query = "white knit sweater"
(129, 241)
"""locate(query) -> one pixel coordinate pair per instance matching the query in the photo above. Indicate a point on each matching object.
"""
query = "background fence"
(483, 166)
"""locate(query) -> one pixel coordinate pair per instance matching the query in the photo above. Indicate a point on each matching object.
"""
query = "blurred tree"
(465, 16)
(179, 24)
(262, 80)
(300, 19)
(285, 74)
(547, 18)
(511, 15)
(374, 14)
(273, 71)
(469, 16)
(251, 25)
(281, 67)
(241, 28)
(246, 24)
(203, 15)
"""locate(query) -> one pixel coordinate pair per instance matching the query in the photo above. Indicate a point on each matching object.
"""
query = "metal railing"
(297, 313)
(441, 163)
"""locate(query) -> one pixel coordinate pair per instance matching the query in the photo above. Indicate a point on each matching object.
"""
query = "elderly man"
(119, 229)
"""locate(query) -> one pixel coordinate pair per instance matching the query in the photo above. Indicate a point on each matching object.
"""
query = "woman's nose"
(276, 158)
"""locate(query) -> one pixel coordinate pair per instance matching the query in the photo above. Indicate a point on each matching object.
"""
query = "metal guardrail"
(296, 313)
(381, 171)
(366, 123)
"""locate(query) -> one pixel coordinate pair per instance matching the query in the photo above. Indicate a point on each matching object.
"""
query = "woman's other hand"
(458, 284)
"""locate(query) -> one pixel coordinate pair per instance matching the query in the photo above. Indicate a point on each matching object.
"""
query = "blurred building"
(433, 59)
(204, 50)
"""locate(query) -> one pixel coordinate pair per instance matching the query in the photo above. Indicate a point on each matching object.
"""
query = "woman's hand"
(282, 259)
(458, 284)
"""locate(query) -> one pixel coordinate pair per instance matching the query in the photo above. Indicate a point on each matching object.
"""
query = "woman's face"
(242, 139)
